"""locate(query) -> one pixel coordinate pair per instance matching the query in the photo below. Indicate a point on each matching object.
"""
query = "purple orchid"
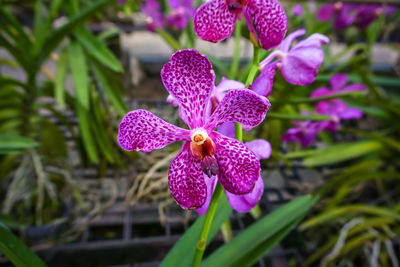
(336, 108)
(266, 19)
(368, 13)
(154, 17)
(241, 203)
(182, 12)
(304, 132)
(299, 65)
(344, 14)
(189, 78)
(297, 10)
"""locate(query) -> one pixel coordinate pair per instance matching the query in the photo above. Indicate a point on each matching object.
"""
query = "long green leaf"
(112, 93)
(12, 143)
(16, 251)
(341, 152)
(183, 251)
(261, 235)
(281, 116)
(77, 63)
(87, 138)
(97, 49)
(55, 38)
(60, 79)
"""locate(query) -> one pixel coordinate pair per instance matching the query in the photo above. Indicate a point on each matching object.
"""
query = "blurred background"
(70, 70)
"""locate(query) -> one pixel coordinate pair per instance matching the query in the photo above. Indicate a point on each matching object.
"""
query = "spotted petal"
(189, 78)
(186, 180)
(240, 105)
(244, 203)
(141, 130)
(239, 167)
(269, 19)
(213, 21)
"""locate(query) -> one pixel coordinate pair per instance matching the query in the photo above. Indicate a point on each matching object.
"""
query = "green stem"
(226, 230)
(236, 55)
(169, 39)
(201, 244)
(254, 67)
(238, 132)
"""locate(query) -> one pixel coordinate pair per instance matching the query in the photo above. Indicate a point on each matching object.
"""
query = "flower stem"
(201, 244)
(254, 66)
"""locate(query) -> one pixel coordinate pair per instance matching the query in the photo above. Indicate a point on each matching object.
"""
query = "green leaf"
(97, 49)
(86, 136)
(16, 251)
(256, 240)
(12, 143)
(38, 19)
(110, 89)
(60, 79)
(281, 116)
(55, 38)
(77, 63)
(183, 251)
(341, 152)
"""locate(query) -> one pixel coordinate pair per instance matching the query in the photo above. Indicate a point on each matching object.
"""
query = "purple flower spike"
(154, 17)
(189, 78)
(241, 203)
(336, 108)
(304, 132)
(182, 12)
(215, 20)
(297, 10)
(299, 65)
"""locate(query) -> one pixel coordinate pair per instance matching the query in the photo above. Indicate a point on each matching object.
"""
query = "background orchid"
(215, 20)
(298, 65)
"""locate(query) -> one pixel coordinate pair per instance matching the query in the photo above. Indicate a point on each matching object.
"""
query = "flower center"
(203, 148)
(236, 6)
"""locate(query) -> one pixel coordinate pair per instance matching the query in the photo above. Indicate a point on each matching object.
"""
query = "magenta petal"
(351, 113)
(213, 21)
(189, 78)
(143, 131)
(264, 82)
(337, 81)
(186, 180)
(260, 147)
(227, 129)
(172, 101)
(211, 183)
(244, 203)
(224, 86)
(239, 167)
(319, 92)
(301, 65)
(315, 40)
(285, 45)
(269, 19)
(240, 105)
(326, 12)
(354, 87)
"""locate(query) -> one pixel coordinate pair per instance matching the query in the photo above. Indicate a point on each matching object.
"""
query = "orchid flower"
(266, 19)
(189, 78)
(368, 13)
(336, 108)
(297, 10)
(182, 12)
(154, 18)
(344, 14)
(299, 65)
(304, 132)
